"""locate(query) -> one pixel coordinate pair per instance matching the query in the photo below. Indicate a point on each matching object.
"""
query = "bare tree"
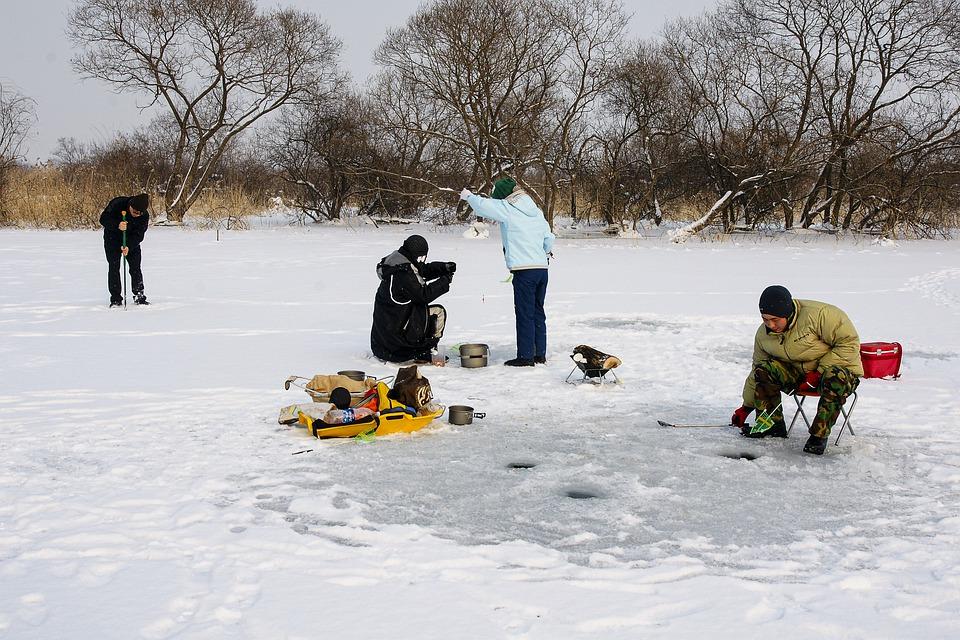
(215, 66)
(318, 149)
(893, 68)
(483, 64)
(741, 68)
(832, 108)
(416, 149)
(513, 81)
(16, 119)
(592, 32)
(634, 150)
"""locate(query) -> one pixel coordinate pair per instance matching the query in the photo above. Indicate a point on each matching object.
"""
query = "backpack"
(411, 388)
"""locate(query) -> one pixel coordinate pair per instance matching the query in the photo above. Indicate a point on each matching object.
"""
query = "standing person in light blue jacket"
(527, 241)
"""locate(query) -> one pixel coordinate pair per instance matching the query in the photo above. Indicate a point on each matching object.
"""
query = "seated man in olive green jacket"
(802, 345)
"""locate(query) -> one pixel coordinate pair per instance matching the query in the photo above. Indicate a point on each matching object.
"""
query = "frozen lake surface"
(146, 489)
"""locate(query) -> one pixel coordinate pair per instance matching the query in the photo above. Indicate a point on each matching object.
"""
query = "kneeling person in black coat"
(135, 224)
(405, 325)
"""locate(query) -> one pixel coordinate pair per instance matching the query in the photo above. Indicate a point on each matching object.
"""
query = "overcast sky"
(35, 59)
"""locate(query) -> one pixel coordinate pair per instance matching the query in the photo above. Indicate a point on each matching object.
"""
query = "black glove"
(451, 267)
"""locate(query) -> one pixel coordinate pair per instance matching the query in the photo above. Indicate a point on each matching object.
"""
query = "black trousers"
(114, 260)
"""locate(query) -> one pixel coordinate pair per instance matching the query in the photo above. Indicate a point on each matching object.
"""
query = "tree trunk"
(787, 214)
(681, 235)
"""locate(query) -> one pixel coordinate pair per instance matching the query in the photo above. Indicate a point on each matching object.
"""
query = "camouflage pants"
(774, 376)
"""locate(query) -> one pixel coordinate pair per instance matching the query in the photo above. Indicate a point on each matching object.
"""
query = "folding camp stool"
(800, 396)
(880, 360)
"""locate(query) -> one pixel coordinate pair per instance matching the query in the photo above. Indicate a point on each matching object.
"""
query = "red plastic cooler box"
(881, 359)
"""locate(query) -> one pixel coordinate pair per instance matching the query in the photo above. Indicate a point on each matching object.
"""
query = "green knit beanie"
(502, 188)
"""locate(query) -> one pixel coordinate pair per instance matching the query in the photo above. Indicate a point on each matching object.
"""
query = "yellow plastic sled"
(392, 418)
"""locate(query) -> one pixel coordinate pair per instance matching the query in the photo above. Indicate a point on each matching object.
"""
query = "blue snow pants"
(529, 292)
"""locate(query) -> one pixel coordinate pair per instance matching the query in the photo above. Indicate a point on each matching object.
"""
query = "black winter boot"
(540, 359)
(776, 431)
(140, 298)
(519, 362)
(815, 445)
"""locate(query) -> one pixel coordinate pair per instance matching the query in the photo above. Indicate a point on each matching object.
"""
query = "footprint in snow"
(763, 612)
(33, 609)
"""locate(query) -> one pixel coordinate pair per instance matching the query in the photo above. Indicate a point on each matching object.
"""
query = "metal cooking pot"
(473, 356)
(359, 376)
(462, 414)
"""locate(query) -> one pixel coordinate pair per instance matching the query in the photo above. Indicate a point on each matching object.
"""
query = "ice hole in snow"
(733, 455)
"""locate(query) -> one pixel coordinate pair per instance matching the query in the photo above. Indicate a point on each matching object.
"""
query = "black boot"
(140, 298)
(815, 445)
(116, 303)
(519, 362)
(540, 359)
(776, 431)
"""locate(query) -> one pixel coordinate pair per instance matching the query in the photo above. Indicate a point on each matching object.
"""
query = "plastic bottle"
(346, 416)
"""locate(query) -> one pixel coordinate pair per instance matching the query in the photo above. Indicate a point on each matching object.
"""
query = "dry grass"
(55, 198)
(46, 197)
(687, 209)
(222, 205)
(52, 198)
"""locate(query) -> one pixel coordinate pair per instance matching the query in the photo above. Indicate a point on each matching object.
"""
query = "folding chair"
(594, 365)
(880, 360)
(800, 396)
(593, 375)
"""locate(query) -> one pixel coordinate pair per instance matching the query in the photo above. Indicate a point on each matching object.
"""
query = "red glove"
(740, 416)
(811, 382)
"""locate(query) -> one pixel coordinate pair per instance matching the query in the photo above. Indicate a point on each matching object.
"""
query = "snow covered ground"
(147, 491)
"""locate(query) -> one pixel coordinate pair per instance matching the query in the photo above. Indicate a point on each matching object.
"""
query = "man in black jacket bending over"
(405, 325)
(135, 224)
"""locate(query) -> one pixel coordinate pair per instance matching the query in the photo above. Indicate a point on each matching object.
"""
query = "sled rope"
(366, 436)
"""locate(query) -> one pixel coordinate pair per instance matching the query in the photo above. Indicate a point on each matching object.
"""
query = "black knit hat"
(776, 301)
(415, 246)
(140, 202)
(340, 398)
